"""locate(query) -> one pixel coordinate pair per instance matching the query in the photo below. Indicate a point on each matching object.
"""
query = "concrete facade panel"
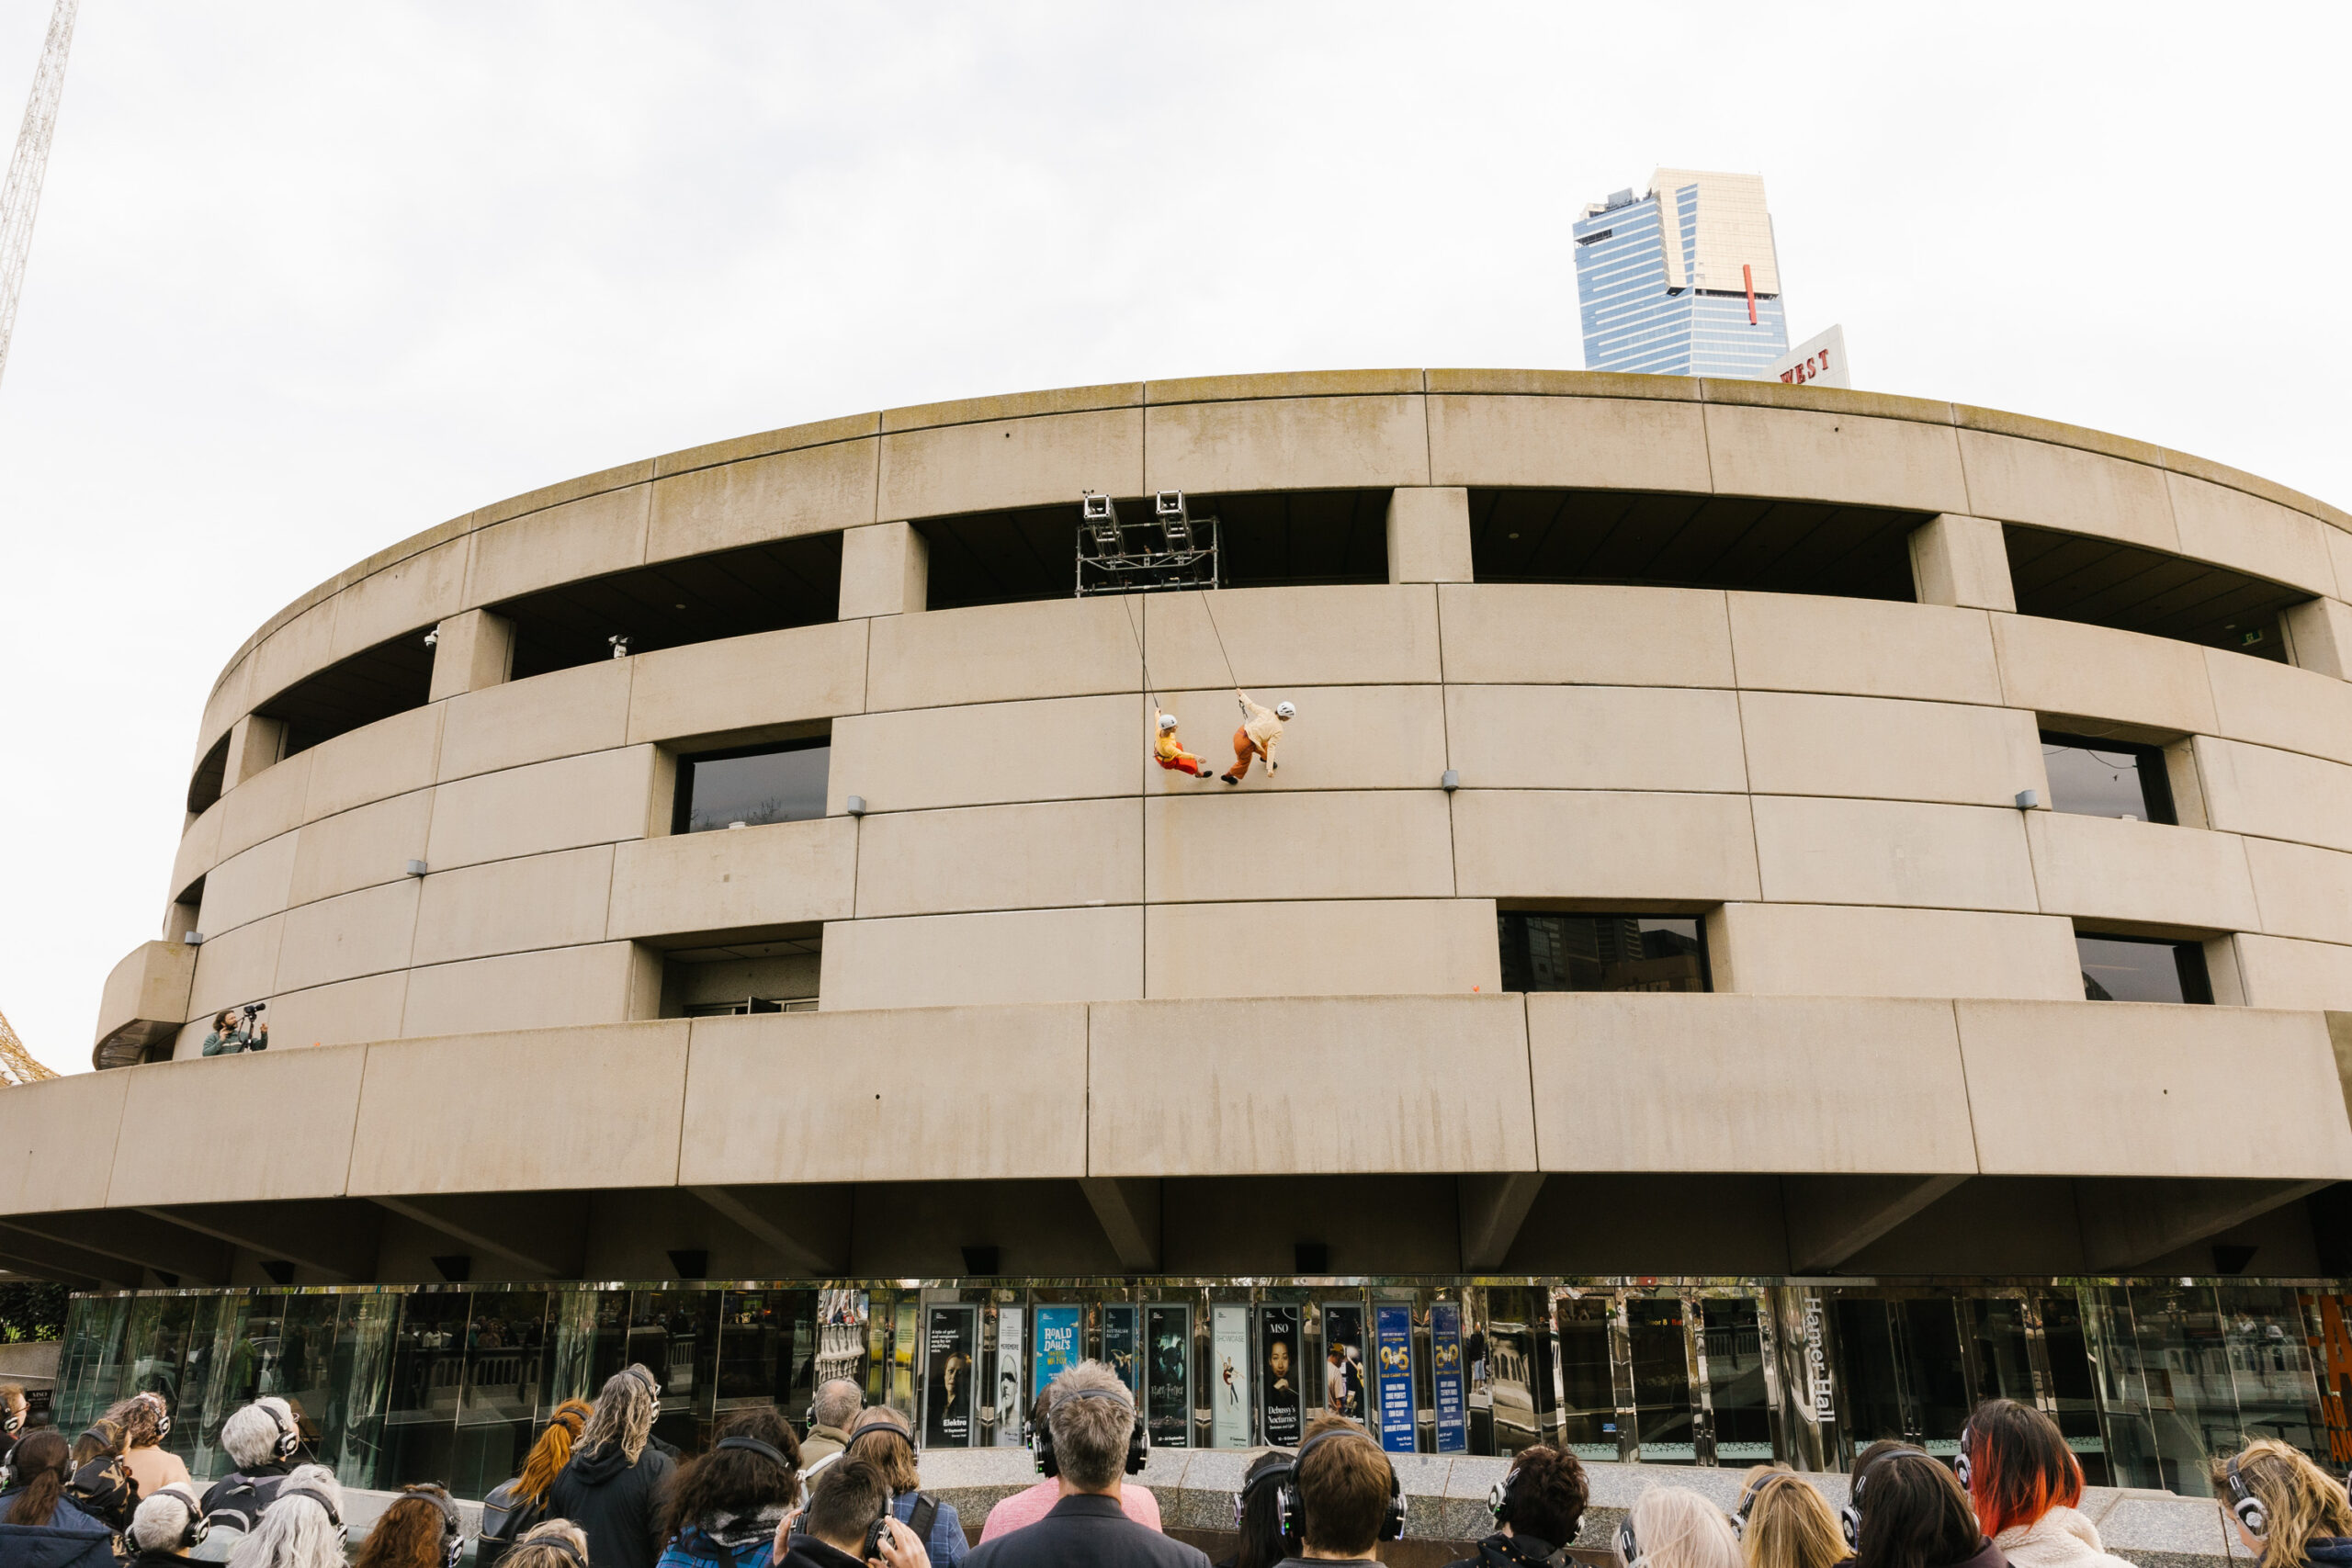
(149, 985)
(294, 650)
(588, 537)
(1638, 848)
(199, 852)
(265, 806)
(2280, 973)
(2262, 538)
(1052, 854)
(1261, 1090)
(343, 1014)
(365, 932)
(1344, 636)
(813, 489)
(1838, 457)
(778, 874)
(1344, 738)
(2153, 1090)
(922, 758)
(241, 967)
(2065, 487)
(1017, 957)
(360, 848)
(230, 697)
(510, 906)
(1327, 844)
(389, 757)
(1889, 750)
(1009, 463)
(999, 653)
(2141, 873)
(245, 888)
(410, 595)
(605, 1111)
(57, 1142)
(1595, 634)
(1869, 648)
(562, 714)
(181, 1155)
(2069, 670)
(773, 678)
(1334, 443)
(2302, 891)
(1827, 950)
(560, 987)
(1892, 853)
(2280, 705)
(952, 1094)
(1568, 442)
(2276, 794)
(1632, 1081)
(1331, 947)
(1635, 737)
(592, 799)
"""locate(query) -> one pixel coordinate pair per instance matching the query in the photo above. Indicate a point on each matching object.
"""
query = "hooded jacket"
(71, 1539)
(1501, 1550)
(2329, 1551)
(730, 1541)
(2063, 1537)
(617, 1503)
(808, 1552)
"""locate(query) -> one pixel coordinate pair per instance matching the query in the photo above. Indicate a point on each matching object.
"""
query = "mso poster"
(1119, 1346)
(1007, 1378)
(1343, 1360)
(1278, 1338)
(1168, 1336)
(1056, 1345)
(1392, 1335)
(1230, 1403)
(1445, 1378)
(949, 1334)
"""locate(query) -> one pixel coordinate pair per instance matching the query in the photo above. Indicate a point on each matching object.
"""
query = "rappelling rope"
(1229, 675)
(1141, 658)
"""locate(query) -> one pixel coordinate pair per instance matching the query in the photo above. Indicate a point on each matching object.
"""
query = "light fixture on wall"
(1450, 779)
(416, 868)
(620, 644)
(2027, 799)
(192, 938)
(855, 806)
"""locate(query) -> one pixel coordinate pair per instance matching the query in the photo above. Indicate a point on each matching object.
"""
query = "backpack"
(506, 1516)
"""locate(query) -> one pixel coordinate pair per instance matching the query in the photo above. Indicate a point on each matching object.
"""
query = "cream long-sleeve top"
(1259, 723)
(2063, 1537)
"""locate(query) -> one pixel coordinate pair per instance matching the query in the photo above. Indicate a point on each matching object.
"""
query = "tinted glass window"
(2136, 969)
(1601, 953)
(775, 784)
(2107, 778)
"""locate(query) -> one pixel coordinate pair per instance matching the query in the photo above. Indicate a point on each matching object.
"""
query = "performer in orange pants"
(1260, 727)
(1170, 753)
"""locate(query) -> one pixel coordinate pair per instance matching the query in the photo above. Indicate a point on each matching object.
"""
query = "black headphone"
(453, 1529)
(194, 1526)
(1849, 1518)
(557, 1543)
(1747, 1496)
(1041, 1434)
(289, 1436)
(1627, 1546)
(1272, 1473)
(163, 1414)
(334, 1514)
(754, 1445)
(1499, 1496)
(14, 1422)
(882, 1428)
(2245, 1504)
(1392, 1523)
(1960, 1460)
(645, 1376)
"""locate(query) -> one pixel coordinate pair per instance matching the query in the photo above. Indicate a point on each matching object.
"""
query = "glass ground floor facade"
(2148, 1379)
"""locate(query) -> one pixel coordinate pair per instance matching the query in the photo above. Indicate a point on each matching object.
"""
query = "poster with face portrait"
(1007, 1378)
(1119, 1346)
(1230, 1407)
(1168, 1366)
(1279, 1376)
(1343, 1376)
(950, 1334)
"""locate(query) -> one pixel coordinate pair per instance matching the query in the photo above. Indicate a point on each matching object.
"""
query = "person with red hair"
(2024, 1483)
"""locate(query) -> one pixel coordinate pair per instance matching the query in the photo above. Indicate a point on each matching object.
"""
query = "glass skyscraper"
(1683, 281)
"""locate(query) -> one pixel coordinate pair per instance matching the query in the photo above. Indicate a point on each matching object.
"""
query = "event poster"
(1119, 1346)
(949, 1333)
(1343, 1377)
(1393, 1342)
(1229, 1363)
(1168, 1345)
(1056, 1345)
(1278, 1340)
(1007, 1378)
(1446, 1378)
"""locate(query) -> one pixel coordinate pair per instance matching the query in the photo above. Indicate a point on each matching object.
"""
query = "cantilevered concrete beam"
(804, 1235)
(58, 1261)
(135, 1238)
(2127, 1222)
(1493, 1208)
(336, 1238)
(1127, 1208)
(1830, 1218)
(519, 1229)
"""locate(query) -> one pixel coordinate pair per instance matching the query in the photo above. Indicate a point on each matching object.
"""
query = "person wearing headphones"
(514, 1507)
(848, 1523)
(1260, 727)
(15, 1410)
(302, 1528)
(1670, 1528)
(2285, 1509)
(1538, 1507)
(1340, 1500)
(1027, 1507)
(420, 1529)
(883, 1436)
(723, 1509)
(553, 1543)
(37, 1499)
(261, 1440)
(2025, 1482)
(611, 1488)
(1782, 1522)
(146, 1421)
(1907, 1511)
(165, 1528)
(1090, 1429)
(1257, 1513)
(831, 1413)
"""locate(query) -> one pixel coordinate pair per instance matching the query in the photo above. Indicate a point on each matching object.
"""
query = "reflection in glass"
(1586, 1378)
(1736, 1390)
(1933, 1369)
(507, 1354)
(1544, 951)
(752, 788)
(2142, 969)
(419, 1435)
(1661, 1361)
(2107, 778)
(1866, 1347)
(2191, 1399)
(2074, 1395)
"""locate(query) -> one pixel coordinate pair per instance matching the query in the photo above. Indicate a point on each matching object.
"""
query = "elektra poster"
(1393, 1337)
(1056, 1345)
(1230, 1405)
(1168, 1345)
(1007, 1378)
(948, 1334)
(1445, 1378)
(1278, 1341)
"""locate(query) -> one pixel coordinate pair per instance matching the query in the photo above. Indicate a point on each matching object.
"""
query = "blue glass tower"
(1683, 281)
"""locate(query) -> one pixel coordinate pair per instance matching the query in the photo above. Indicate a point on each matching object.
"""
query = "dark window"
(2142, 969)
(2071, 577)
(389, 678)
(2107, 778)
(751, 786)
(750, 1005)
(1601, 953)
(204, 788)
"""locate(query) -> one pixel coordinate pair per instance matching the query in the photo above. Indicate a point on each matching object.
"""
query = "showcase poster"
(1343, 1360)
(1393, 1335)
(1229, 1361)
(1119, 1346)
(1168, 1339)
(1007, 1378)
(1445, 1378)
(1056, 1345)
(949, 1333)
(1278, 1338)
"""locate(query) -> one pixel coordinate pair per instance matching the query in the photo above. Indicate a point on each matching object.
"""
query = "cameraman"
(852, 1502)
(1344, 1482)
(229, 1036)
(1091, 1420)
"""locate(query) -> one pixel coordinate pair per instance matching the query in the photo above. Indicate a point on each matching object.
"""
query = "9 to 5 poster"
(1056, 1345)
(1119, 1346)
(1007, 1376)
(1343, 1375)
(1168, 1393)
(1393, 1376)
(948, 1334)
(1278, 1340)
(1230, 1403)
(1445, 1378)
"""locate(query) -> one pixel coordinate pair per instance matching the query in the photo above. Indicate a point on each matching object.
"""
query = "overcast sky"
(309, 278)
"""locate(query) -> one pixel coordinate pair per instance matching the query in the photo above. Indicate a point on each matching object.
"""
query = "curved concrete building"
(723, 911)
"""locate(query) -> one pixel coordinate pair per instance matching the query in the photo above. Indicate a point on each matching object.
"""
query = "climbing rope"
(1233, 680)
(1142, 657)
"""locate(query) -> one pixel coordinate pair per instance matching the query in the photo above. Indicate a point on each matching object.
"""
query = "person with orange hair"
(2024, 1482)
(512, 1507)
(418, 1530)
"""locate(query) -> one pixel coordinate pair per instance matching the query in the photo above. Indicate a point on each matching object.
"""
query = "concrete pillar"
(1962, 560)
(473, 651)
(1429, 534)
(2319, 637)
(886, 570)
(254, 743)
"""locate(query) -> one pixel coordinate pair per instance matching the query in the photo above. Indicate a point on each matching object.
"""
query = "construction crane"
(18, 1066)
(21, 201)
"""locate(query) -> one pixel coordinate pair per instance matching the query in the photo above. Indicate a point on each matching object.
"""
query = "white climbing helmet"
(1286, 711)
(1167, 722)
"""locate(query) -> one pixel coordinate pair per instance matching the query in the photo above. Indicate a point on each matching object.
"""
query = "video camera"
(253, 1011)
